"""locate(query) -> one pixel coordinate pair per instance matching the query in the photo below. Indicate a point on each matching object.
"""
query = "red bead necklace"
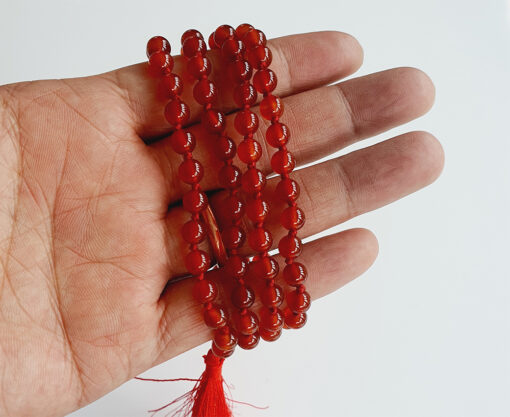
(242, 50)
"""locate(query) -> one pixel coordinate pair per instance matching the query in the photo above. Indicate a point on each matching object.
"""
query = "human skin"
(90, 214)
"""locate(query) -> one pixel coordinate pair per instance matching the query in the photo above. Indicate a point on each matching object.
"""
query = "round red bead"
(242, 296)
(221, 353)
(282, 162)
(233, 237)
(292, 218)
(230, 176)
(214, 121)
(257, 210)
(264, 81)
(232, 49)
(287, 190)
(170, 86)
(205, 291)
(294, 320)
(248, 341)
(239, 71)
(197, 262)
(182, 141)
(289, 246)
(246, 122)
(271, 319)
(191, 33)
(265, 268)
(176, 112)
(271, 295)
(294, 274)
(224, 339)
(259, 57)
(161, 61)
(253, 38)
(242, 29)
(215, 317)
(277, 134)
(193, 231)
(194, 201)
(204, 91)
(190, 171)
(199, 66)
(157, 44)
(270, 336)
(232, 208)
(223, 33)
(211, 42)
(298, 301)
(246, 322)
(249, 150)
(260, 239)
(271, 107)
(245, 95)
(236, 266)
(193, 46)
(225, 148)
(253, 180)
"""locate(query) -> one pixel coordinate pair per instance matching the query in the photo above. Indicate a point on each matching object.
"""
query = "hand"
(88, 242)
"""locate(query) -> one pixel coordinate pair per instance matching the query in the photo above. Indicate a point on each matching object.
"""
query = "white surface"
(425, 332)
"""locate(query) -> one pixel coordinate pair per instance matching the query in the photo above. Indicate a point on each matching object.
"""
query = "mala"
(245, 59)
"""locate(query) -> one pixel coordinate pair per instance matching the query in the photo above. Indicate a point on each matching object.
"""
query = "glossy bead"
(233, 237)
(242, 296)
(236, 266)
(287, 190)
(221, 353)
(253, 38)
(260, 239)
(271, 295)
(257, 210)
(298, 301)
(157, 44)
(264, 81)
(253, 180)
(205, 291)
(271, 319)
(271, 107)
(215, 317)
(277, 134)
(193, 231)
(194, 201)
(282, 162)
(176, 112)
(199, 66)
(239, 71)
(211, 42)
(242, 29)
(289, 246)
(205, 91)
(193, 46)
(225, 148)
(232, 49)
(190, 33)
(197, 262)
(246, 322)
(160, 61)
(270, 336)
(224, 339)
(223, 33)
(292, 218)
(249, 150)
(246, 122)
(170, 86)
(230, 176)
(245, 95)
(214, 121)
(190, 171)
(265, 268)
(232, 207)
(259, 57)
(294, 274)
(294, 320)
(182, 141)
(248, 341)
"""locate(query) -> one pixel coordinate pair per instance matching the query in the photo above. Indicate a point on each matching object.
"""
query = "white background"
(425, 332)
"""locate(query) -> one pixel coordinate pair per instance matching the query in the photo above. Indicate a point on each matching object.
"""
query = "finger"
(331, 261)
(322, 121)
(300, 61)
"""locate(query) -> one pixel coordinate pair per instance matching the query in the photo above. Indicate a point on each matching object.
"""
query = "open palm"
(90, 214)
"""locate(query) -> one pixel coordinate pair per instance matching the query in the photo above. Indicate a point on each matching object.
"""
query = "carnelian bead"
(194, 201)
(264, 81)
(292, 218)
(190, 33)
(239, 71)
(199, 66)
(170, 86)
(249, 150)
(260, 239)
(271, 319)
(298, 301)
(277, 134)
(215, 317)
(248, 341)
(282, 162)
(211, 42)
(271, 107)
(233, 237)
(182, 141)
(225, 148)
(242, 296)
(157, 44)
(193, 231)
(270, 336)
(193, 46)
(259, 57)
(246, 322)
(205, 91)
(271, 295)
(197, 262)
(161, 61)
(265, 268)
(236, 266)
(224, 339)
(245, 95)
(294, 274)
(253, 38)
(190, 171)
(253, 180)
(221, 353)
(204, 291)
(289, 246)
(257, 210)
(242, 29)
(214, 121)
(176, 112)
(223, 33)
(232, 49)
(230, 176)
(232, 207)
(294, 320)
(246, 122)
(287, 190)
